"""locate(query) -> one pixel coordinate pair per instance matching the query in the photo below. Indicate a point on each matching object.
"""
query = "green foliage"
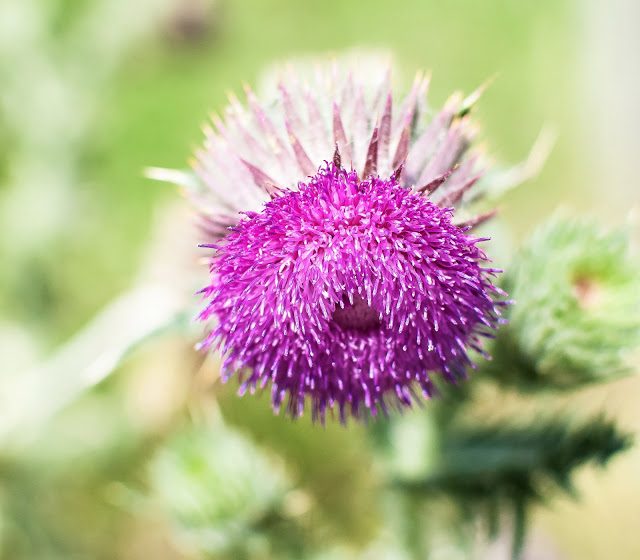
(576, 314)
(491, 468)
(481, 462)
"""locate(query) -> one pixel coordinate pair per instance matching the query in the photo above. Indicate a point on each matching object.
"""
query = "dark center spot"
(356, 316)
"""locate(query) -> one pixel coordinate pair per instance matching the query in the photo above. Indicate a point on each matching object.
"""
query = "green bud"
(576, 314)
(219, 489)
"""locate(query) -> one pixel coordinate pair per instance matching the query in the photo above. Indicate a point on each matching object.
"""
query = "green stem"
(519, 528)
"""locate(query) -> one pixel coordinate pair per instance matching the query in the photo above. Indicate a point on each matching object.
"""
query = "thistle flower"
(341, 271)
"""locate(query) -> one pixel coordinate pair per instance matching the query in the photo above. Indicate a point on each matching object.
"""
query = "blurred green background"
(94, 91)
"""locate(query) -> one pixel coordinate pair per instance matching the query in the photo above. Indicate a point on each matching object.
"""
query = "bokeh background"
(94, 91)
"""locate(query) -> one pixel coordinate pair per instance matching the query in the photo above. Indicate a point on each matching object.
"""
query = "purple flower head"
(346, 285)
(349, 291)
